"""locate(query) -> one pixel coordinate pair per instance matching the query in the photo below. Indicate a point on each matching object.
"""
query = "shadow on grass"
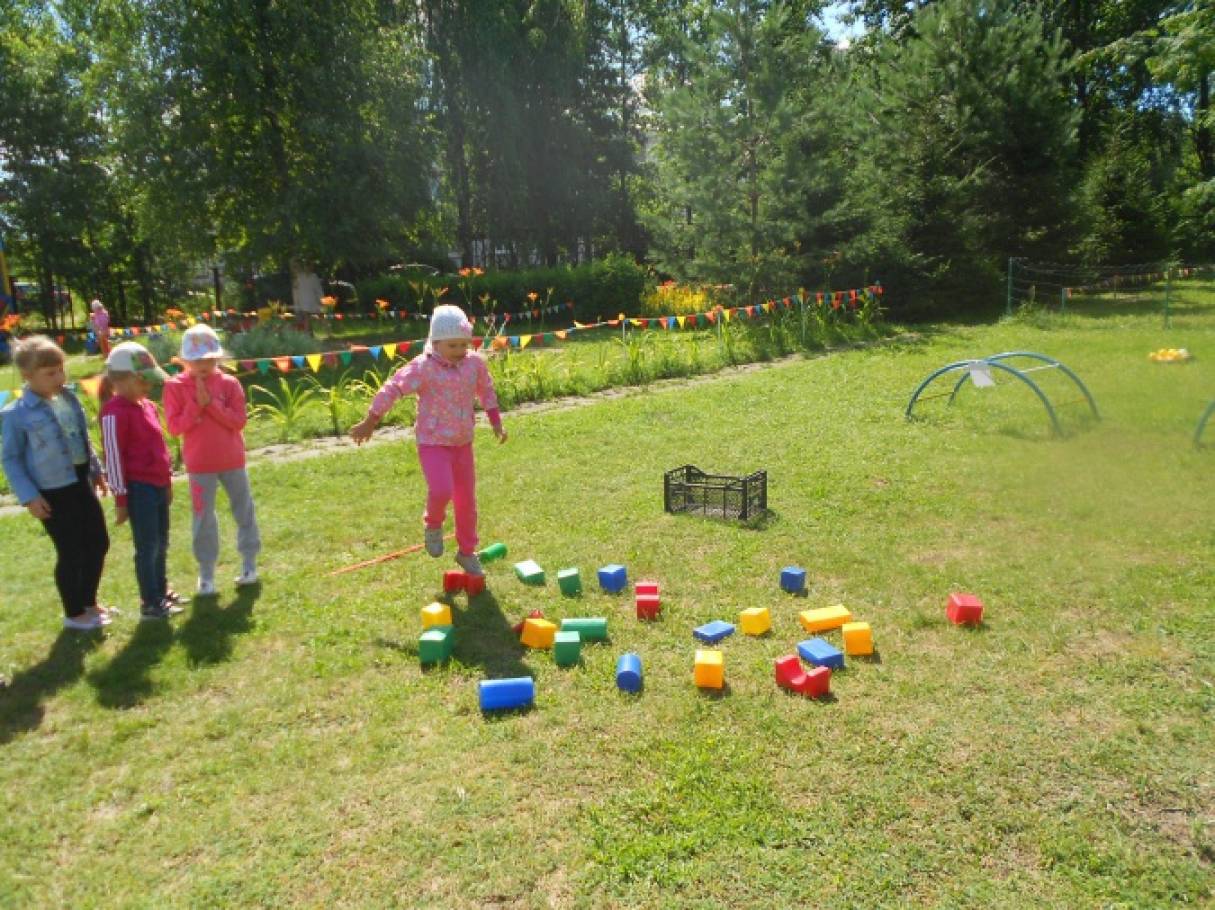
(21, 701)
(207, 634)
(484, 637)
(126, 681)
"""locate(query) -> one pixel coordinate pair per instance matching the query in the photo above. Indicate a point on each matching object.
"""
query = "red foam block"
(474, 584)
(453, 580)
(647, 587)
(964, 608)
(648, 606)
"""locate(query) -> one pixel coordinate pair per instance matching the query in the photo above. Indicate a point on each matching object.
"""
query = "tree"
(724, 210)
(965, 143)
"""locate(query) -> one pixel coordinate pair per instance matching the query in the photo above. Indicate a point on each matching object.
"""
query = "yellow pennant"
(524, 341)
(314, 361)
(636, 322)
(727, 314)
(681, 320)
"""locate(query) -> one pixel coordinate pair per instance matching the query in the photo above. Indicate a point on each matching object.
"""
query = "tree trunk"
(1202, 133)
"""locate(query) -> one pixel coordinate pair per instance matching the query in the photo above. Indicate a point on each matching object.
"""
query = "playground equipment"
(821, 653)
(979, 371)
(755, 621)
(713, 632)
(435, 645)
(529, 572)
(1202, 424)
(567, 648)
(793, 579)
(858, 638)
(613, 578)
(649, 604)
(790, 675)
(569, 581)
(493, 551)
(589, 628)
(538, 633)
(436, 614)
(628, 673)
(504, 694)
(824, 618)
(710, 669)
(964, 609)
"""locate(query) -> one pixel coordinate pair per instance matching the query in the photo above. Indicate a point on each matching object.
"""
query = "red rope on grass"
(396, 554)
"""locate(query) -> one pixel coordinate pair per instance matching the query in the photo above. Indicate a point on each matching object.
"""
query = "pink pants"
(451, 477)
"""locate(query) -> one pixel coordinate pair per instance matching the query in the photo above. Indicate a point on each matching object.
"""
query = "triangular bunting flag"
(524, 341)
(263, 366)
(390, 351)
(681, 320)
(563, 334)
(330, 359)
(374, 350)
(314, 361)
(298, 360)
(283, 364)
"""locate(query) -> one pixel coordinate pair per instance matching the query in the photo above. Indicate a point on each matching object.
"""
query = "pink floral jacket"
(446, 392)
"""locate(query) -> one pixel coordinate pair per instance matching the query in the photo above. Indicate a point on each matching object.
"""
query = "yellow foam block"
(755, 621)
(824, 618)
(436, 614)
(538, 633)
(858, 638)
(710, 670)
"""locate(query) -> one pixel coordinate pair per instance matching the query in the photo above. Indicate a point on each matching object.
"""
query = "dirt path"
(325, 445)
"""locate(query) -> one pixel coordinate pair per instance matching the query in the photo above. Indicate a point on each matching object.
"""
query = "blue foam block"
(793, 579)
(821, 653)
(613, 578)
(500, 694)
(714, 631)
(628, 673)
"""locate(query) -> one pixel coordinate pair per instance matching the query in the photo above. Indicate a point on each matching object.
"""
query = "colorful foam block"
(821, 653)
(453, 581)
(648, 606)
(755, 621)
(569, 581)
(964, 608)
(858, 638)
(538, 633)
(436, 614)
(529, 572)
(534, 614)
(714, 631)
(591, 628)
(793, 579)
(435, 645)
(474, 584)
(818, 682)
(567, 648)
(710, 669)
(628, 673)
(789, 675)
(613, 578)
(492, 552)
(504, 694)
(824, 618)
(646, 587)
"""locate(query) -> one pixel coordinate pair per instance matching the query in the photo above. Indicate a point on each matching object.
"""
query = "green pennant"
(345, 357)
(263, 366)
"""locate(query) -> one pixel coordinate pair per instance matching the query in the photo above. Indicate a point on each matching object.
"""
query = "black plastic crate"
(689, 489)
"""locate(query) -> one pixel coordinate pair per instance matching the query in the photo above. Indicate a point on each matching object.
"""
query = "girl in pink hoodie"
(206, 408)
(447, 380)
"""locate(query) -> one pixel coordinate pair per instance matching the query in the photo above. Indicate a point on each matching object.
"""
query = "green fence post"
(1063, 300)
(1168, 277)
(1008, 305)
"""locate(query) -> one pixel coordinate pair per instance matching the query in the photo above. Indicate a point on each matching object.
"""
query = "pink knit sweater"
(446, 392)
(212, 437)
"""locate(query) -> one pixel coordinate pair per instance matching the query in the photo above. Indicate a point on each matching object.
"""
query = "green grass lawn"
(283, 748)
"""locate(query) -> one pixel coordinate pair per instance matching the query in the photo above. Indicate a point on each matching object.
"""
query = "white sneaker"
(470, 563)
(434, 541)
(247, 577)
(206, 587)
(86, 622)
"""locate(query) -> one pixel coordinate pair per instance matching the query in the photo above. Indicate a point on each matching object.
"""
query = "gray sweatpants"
(203, 488)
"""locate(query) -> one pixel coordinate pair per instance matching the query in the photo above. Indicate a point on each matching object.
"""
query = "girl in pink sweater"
(447, 380)
(206, 408)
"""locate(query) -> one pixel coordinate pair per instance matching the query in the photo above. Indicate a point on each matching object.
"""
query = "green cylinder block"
(492, 552)
(589, 628)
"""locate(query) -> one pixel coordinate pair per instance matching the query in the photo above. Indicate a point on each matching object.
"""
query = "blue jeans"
(148, 509)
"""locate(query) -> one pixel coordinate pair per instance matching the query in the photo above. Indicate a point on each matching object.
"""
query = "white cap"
(449, 322)
(96, 305)
(130, 357)
(199, 342)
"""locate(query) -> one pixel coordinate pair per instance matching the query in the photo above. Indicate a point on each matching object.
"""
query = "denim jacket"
(36, 455)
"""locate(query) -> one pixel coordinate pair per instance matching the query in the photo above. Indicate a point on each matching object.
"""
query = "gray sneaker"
(434, 541)
(470, 563)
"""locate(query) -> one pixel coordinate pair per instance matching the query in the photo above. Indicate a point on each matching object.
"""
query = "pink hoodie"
(212, 437)
(445, 393)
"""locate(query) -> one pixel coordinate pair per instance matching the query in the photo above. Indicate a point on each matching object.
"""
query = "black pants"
(77, 527)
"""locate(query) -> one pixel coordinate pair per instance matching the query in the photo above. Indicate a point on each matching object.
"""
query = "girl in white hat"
(447, 380)
(206, 408)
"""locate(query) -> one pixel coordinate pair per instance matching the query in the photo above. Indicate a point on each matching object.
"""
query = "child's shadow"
(207, 634)
(126, 680)
(21, 708)
(484, 637)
